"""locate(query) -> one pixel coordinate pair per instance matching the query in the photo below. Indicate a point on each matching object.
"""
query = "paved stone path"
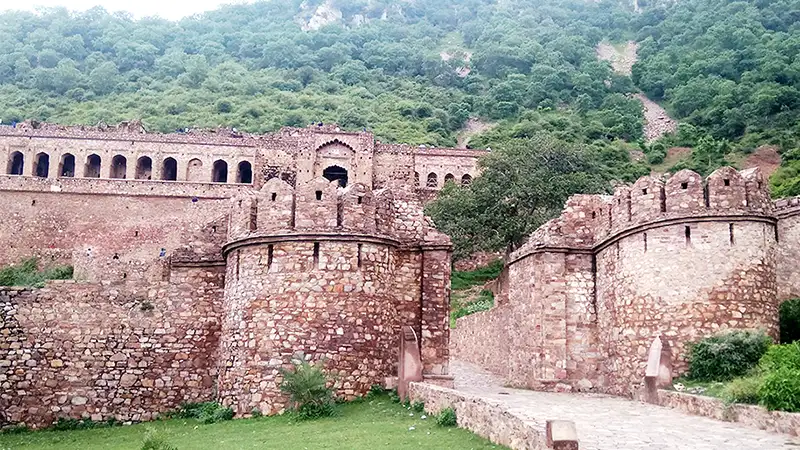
(612, 423)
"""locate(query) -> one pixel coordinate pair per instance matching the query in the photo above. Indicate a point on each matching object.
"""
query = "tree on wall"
(523, 184)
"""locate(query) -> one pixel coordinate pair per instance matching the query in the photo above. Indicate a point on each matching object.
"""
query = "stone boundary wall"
(87, 350)
(489, 419)
(753, 416)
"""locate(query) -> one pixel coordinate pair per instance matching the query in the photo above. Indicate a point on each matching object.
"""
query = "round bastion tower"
(327, 274)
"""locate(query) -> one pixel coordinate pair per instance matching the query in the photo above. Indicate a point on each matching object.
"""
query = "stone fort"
(205, 261)
(674, 258)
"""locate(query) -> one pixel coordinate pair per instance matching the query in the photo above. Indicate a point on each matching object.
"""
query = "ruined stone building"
(206, 261)
(677, 259)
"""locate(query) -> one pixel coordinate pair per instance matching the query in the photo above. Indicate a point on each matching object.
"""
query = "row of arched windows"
(433, 180)
(119, 168)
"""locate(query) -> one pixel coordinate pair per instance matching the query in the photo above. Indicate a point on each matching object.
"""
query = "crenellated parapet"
(588, 221)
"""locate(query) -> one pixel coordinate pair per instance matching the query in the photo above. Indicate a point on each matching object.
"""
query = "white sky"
(168, 9)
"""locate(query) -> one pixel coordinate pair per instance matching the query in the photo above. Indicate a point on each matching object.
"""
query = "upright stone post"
(659, 369)
(410, 366)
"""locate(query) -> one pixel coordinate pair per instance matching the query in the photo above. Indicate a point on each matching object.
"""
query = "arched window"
(433, 180)
(15, 164)
(336, 173)
(466, 179)
(244, 173)
(220, 172)
(169, 170)
(42, 165)
(416, 179)
(92, 169)
(449, 178)
(144, 168)
(67, 166)
(194, 171)
(119, 167)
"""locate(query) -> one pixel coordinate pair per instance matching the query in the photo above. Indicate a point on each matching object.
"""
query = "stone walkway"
(613, 423)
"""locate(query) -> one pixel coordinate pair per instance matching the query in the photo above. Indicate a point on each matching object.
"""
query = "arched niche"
(92, 168)
(144, 168)
(336, 173)
(334, 153)
(66, 168)
(41, 165)
(119, 167)
(219, 172)
(244, 173)
(169, 169)
(16, 163)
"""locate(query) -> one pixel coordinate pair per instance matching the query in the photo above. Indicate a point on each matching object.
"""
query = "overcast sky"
(168, 9)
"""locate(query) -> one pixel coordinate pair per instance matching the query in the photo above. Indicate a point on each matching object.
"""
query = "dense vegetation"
(414, 72)
(28, 273)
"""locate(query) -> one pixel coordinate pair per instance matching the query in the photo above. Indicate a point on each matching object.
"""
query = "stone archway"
(336, 173)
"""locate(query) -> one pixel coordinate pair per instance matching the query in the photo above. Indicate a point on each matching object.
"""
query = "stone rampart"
(100, 351)
(678, 258)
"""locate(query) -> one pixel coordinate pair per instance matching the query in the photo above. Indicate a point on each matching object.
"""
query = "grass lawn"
(370, 424)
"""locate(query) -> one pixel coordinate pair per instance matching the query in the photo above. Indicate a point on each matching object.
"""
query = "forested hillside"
(415, 71)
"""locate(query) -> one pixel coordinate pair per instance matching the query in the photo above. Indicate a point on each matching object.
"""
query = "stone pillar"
(552, 289)
(435, 323)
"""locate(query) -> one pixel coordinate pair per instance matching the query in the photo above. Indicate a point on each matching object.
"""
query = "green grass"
(460, 281)
(27, 273)
(369, 424)
(709, 388)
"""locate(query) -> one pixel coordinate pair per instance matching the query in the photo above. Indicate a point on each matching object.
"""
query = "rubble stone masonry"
(205, 262)
(679, 258)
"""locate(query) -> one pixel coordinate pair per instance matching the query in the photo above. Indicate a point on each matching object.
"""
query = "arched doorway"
(244, 173)
(336, 173)
(67, 167)
(466, 179)
(92, 169)
(449, 178)
(169, 170)
(15, 164)
(119, 167)
(220, 172)
(194, 171)
(42, 165)
(433, 181)
(144, 168)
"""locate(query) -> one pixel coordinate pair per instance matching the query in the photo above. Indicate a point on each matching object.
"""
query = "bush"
(484, 302)
(418, 407)
(206, 412)
(447, 418)
(154, 441)
(781, 390)
(26, 273)
(790, 321)
(743, 390)
(308, 390)
(727, 356)
(781, 356)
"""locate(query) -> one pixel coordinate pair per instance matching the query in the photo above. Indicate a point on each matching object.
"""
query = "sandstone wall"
(788, 212)
(334, 304)
(126, 351)
(682, 288)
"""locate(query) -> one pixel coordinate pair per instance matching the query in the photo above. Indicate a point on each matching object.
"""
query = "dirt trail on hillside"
(472, 128)
(622, 59)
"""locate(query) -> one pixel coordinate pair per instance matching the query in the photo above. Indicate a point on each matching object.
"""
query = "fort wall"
(126, 351)
(678, 258)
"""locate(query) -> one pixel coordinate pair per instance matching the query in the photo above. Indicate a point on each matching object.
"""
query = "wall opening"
(466, 179)
(359, 255)
(270, 256)
(194, 171)
(360, 200)
(144, 168)
(119, 167)
(92, 169)
(433, 181)
(169, 170)
(15, 164)
(684, 185)
(730, 233)
(726, 182)
(274, 196)
(644, 191)
(318, 195)
(219, 172)
(645, 242)
(316, 254)
(449, 178)
(244, 173)
(42, 165)
(416, 179)
(253, 224)
(336, 173)
(687, 232)
(662, 196)
(67, 167)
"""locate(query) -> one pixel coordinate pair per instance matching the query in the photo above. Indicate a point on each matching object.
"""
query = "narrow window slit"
(727, 182)
(359, 200)
(316, 253)
(274, 196)
(270, 256)
(688, 233)
(684, 185)
(645, 242)
(319, 195)
(359, 255)
(730, 232)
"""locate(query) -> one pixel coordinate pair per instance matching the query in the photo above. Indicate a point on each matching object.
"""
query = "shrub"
(154, 441)
(447, 418)
(743, 390)
(376, 390)
(790, 321)
(781, 356)
(727, 356)
(781, 390)
(206, 412)
(308, 390)
(26, 273)
(418, 407)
